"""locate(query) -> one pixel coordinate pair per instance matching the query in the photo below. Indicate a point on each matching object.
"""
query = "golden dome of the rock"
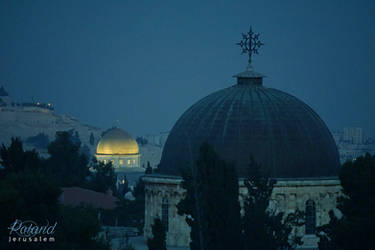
(117, 142)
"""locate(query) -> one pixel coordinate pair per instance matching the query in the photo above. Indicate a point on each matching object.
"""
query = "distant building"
(354, 135)
(118, 147)
(7, 104)
(351, 143)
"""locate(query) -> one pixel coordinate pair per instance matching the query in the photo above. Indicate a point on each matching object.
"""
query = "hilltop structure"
(7, 104)
(246, 120)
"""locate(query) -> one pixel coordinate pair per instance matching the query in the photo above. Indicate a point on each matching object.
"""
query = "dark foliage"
(354, 229)
(103, 177)
(85, 150)
(128, 213)
(26, 196)
(74, 137)
(148, 168)
(66, 164)
(27, 193)
(158, 241)
(141, 140)
(14, 159)
(263, 226)
(211, 203)
(213, 211)
(3, 92)
(79, 228)
(123, 187)
(92, 139)
(40, 140)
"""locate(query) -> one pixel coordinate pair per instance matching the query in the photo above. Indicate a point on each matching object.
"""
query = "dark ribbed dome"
(278, 130)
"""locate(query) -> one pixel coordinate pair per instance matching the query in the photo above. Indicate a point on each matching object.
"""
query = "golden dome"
(117, 142)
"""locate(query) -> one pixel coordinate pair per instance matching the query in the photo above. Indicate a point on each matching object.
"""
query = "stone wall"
(287, 196)
(158, 188)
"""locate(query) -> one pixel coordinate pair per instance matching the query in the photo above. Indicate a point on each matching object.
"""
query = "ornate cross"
(250, 43)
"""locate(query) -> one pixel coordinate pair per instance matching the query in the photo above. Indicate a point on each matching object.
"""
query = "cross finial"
(250, 44)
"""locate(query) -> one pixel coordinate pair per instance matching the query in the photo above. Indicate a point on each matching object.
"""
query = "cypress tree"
(92, 139)
(159, 236)
(211, 203)
(265, 228)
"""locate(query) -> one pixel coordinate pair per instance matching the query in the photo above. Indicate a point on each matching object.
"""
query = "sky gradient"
(145, 62)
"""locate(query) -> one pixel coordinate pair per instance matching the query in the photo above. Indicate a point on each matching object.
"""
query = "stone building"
(247, 120)
(354, 135)
(119, 148)
(315, 196)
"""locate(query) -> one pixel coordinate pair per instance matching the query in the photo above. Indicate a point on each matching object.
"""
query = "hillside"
(26, 122)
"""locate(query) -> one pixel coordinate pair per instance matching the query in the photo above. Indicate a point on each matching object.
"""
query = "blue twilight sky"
(145, 62)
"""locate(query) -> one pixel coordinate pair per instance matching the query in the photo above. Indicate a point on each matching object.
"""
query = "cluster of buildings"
(352, 142)
(6, 103)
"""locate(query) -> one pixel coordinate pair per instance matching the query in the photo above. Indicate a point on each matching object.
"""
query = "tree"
(141, 140)
(26, 195)
(357, 205)
(78, 229)
(66, 165)
(92, 139)
(159, 236)
(263, 227)
(29, 195)
(14, 159)
(139, 204)
(40, 140)
(148, 169)
(85, 150)
(74, 137)
(211, 202)
(103, 177)
(123, 187)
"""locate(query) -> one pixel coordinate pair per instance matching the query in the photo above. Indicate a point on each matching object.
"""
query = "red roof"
(75, 196)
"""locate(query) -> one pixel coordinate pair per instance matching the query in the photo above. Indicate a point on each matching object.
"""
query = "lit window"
(121, 162)
(113, 162)
(123, 181)
(165, 213)
(310, 217)
(134, 161)
(105, 161)
(128, 162)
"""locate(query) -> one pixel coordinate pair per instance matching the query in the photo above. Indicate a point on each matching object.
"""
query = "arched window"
(310, 217)
(165, 213)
